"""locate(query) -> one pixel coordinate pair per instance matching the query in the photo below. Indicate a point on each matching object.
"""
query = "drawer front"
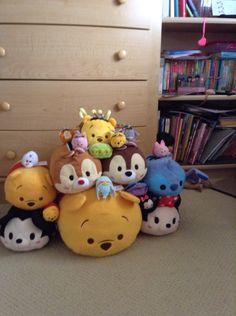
(44, 142)
(79, 12)
(50, 105)
(69, 52)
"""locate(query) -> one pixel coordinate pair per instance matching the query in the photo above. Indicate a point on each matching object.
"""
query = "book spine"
(182, 8)
(172, 8)
(197, 143)
(192, 8)
(186, 136)
(176, 8)
(165, 9)
(189, 10)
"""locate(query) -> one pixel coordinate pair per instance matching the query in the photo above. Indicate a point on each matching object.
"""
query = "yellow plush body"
(98, 130)
(93, 227)
(31, 189)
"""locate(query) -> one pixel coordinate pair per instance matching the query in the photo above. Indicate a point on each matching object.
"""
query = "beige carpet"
(191, 272)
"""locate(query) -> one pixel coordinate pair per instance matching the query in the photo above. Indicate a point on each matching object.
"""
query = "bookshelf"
(183, 33)
(214, 25)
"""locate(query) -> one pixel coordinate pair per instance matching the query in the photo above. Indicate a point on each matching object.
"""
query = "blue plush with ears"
(165, 177)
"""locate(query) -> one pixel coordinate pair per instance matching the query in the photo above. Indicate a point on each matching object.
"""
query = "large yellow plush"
(93, 227)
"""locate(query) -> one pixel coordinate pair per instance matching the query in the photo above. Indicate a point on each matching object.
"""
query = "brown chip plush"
(73, 172)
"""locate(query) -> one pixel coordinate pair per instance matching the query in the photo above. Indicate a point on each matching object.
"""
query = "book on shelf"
(198, 131)
(193, 72)
(218, 139)
(195, 8)
(197, 142)
(182, 8)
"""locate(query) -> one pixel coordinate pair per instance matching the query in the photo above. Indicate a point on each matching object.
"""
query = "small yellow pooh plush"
(118, 140)
(98, 128)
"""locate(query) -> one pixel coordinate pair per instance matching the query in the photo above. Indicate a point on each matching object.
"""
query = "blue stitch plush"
(165, 177)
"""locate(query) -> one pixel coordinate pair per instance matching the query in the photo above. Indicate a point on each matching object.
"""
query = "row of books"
(195, 73)
(198, 138)
(196, 8)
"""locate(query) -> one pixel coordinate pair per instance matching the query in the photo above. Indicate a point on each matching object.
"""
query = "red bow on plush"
(168, 201)
(144, 198)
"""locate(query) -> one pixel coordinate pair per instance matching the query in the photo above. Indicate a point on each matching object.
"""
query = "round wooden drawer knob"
(2, 52)
(4, 106)
(121, 1)
(122, 54)
(121, 105)
(11, 155)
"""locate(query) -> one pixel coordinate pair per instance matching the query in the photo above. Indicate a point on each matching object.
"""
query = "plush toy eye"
(21, 198)
(32, 236)
(136, 167)
(180, 182)
(10, 235)
(41, 198)
(156, 220)
(119, 168)
(87, 173)
(120, 236)
(174, 220)
(162, 187)
(90, 240)
(106, 136)
(71, 177)
(93, 135)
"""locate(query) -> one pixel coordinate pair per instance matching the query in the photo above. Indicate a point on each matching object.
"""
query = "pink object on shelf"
(202, 41)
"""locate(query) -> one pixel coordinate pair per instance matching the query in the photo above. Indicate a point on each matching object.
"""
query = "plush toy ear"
(86, 118)
(76, 201)
(15, 174)
(80, 200)
(162, 143)
(112, 121)
(129, 197)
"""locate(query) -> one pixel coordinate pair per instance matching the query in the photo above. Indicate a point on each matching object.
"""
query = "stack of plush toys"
(99, 191)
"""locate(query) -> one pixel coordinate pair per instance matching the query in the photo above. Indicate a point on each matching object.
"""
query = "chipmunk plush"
(30, 222)
(73, 173)
(126, 165)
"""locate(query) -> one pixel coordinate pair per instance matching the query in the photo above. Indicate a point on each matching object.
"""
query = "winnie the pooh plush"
(99, 129)
(30, 222)
(104, 227)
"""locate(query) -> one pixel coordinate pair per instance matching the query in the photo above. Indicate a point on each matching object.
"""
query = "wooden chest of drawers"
(58, 56)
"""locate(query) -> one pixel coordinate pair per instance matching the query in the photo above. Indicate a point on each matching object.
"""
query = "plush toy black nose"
(19, 241)
(128, 173)
(99, 139)
(31, 203)
(174, 187)
(168, 225)
(105, 245)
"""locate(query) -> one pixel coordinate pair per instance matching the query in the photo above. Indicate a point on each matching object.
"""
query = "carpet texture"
(191, 272)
